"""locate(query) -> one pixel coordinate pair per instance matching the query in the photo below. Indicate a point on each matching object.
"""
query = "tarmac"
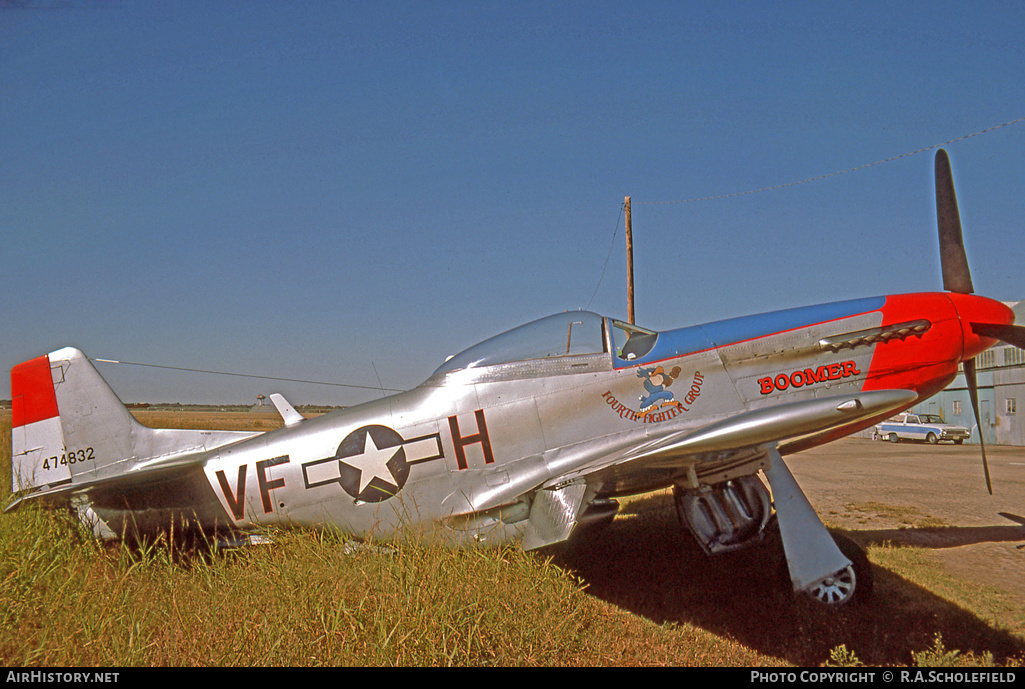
(932, 496)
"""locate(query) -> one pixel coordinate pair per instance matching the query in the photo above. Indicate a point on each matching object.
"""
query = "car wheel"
(894, 438)
(932, 438)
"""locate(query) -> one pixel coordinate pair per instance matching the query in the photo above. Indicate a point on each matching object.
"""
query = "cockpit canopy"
(565, 334)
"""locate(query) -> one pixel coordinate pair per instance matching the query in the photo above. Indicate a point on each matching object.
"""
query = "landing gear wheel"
(837, 589)
(851, 584)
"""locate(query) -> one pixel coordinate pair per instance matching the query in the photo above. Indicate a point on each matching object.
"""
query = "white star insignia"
(373, 463)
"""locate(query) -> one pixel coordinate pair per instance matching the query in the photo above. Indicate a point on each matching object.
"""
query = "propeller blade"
(973, 392)
(1011, 334)
(953, 260)
(958, 278)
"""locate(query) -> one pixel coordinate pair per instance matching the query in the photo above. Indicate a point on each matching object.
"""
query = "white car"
(927, 427)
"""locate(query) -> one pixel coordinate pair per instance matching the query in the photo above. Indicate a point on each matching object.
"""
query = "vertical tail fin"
(35, 428)
(69, 427)
(67, 424)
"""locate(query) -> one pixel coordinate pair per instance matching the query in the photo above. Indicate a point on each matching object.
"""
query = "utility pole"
(629, 265)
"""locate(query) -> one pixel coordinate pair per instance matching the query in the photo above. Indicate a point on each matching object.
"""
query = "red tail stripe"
(33, 397)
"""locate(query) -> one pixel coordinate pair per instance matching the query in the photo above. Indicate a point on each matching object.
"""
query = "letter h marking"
(481, 437)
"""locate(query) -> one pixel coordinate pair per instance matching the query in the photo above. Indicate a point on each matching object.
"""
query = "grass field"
(642, 594)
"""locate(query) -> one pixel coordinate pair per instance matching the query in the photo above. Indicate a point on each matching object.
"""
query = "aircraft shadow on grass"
(643, 564)
(943, 536)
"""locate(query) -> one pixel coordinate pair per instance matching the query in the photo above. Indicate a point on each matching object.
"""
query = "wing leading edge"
(747, 431)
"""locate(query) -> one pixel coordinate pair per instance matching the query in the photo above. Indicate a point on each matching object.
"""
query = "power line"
(609, 256)
(834, 174)
(247, 375)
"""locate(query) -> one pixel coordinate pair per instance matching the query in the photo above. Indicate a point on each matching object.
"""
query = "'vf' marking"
(237, 499)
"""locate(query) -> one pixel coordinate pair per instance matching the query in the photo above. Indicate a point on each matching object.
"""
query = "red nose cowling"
(972, 309)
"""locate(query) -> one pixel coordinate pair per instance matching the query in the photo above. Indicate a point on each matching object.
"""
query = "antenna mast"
(629, 265)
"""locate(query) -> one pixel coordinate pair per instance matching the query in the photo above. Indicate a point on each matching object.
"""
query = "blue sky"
(351, 191)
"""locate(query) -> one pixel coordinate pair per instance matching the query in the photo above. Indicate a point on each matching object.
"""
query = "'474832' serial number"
(69, 457)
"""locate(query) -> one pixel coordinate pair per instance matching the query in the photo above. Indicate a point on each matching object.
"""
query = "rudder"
(67, 424)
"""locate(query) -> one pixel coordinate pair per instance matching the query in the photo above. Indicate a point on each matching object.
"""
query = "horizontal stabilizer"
(52, 495)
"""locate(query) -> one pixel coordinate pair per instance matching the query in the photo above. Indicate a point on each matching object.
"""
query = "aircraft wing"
(717, 447)
(743, 442)
(742, 436)
(774, 424)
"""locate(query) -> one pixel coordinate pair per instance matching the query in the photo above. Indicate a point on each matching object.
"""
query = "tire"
(893, 438)
(850, 586)
(932, 439)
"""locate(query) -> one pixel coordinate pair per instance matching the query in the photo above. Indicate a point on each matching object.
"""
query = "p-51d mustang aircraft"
(532, 434)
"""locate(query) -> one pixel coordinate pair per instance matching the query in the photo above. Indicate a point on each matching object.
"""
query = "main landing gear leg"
(817, 566)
